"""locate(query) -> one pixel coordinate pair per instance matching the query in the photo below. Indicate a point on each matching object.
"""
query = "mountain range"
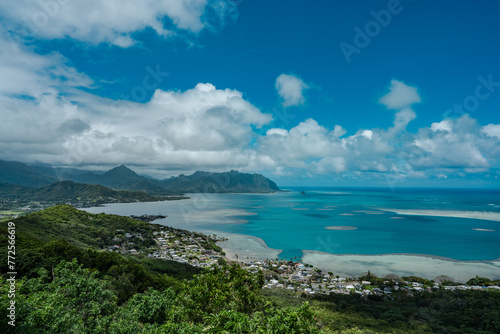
(14, 172)
(228, 182)
(122, 178)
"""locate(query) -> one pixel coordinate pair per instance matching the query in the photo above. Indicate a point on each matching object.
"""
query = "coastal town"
(201, 251)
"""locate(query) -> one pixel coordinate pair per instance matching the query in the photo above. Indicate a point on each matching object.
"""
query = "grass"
(6, 215)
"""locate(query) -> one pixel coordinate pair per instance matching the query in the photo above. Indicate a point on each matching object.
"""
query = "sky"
(395, 93)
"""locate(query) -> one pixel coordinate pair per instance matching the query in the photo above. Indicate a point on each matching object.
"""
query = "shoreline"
(353, 265)
(422, 265)
(246, 247)
(192, 215)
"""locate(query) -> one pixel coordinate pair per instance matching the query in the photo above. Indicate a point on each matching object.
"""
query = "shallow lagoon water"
(290, 223)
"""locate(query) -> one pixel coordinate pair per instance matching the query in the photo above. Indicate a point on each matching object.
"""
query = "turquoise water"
(294, 222)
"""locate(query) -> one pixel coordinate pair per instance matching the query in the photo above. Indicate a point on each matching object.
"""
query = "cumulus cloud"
(291, 88)
(400, 96)
(111, 21)
(451, 146)
(48, 117)
(491, 130)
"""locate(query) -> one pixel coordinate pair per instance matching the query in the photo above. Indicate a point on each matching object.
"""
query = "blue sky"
(387, 93)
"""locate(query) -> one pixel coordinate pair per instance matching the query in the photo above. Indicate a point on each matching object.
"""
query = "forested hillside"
(66, 283)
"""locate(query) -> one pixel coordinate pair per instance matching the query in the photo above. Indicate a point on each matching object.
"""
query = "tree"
(478, 281)
(73, 300)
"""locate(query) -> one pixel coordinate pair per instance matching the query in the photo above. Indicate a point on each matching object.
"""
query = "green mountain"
(71, 192)
(121, 178)
(65, 284)
(14, 172)
(228, 182)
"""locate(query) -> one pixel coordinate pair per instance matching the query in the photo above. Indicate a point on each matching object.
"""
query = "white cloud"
(403, 118)
(276, 131)
(291, 88)
(400, 96)
(311, 148)
(367, 133)
(46, 117)
(491, 130)
(203, 126)
(444, 125)
(111, 21)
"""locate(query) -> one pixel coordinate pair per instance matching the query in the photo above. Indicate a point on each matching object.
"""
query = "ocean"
(454, 225)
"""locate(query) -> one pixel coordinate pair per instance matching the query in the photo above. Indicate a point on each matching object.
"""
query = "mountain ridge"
(122, 178)
(225, 182)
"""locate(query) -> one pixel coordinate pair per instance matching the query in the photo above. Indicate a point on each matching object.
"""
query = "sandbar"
(484, 215)
(425, 266)
(245, 247)
(341, 228)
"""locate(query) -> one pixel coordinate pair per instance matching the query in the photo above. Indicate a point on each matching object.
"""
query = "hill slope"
(120, 178)
(71, 192)
(14, 172)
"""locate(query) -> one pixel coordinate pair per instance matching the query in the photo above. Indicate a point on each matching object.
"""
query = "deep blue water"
(294, 222)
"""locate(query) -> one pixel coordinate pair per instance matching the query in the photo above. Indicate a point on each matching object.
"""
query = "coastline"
(422, 265)
(246, 247)
(202, 210)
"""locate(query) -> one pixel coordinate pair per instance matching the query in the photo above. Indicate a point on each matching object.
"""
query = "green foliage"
(69, 286)
(68, 300)
(221, 288)
(479, 281)
(438, 312)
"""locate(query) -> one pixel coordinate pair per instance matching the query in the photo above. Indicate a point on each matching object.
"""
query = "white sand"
(495, 216)
(402, 265)
(341, 228)
(246, 247)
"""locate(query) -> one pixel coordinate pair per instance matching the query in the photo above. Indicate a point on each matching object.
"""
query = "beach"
(246, 247)
(406, 241)
(428, 267)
